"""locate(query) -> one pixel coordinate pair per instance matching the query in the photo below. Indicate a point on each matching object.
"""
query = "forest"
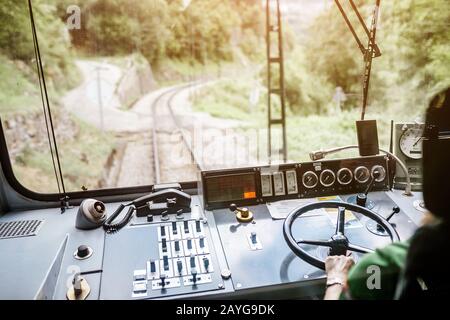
(412, 35)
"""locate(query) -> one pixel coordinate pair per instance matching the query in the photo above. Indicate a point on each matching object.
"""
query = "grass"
(172, 71)
(17, 93)
(230, 99)
(82, 159)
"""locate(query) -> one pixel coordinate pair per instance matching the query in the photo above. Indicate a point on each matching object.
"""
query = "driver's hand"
(338, 267)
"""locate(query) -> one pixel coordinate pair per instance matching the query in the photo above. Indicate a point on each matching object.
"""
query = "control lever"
(162, 277)
(194, 276)
(242, 214)
(79, 290)
(395, 210)
(361, 198)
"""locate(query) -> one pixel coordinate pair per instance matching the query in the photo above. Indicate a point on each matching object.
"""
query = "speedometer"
(411, 143)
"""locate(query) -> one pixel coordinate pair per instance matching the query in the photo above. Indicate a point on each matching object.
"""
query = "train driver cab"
(211, 149)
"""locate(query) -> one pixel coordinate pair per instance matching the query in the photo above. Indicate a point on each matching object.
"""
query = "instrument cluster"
(299, 180)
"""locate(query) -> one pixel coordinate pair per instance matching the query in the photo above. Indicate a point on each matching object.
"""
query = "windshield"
(153, 91)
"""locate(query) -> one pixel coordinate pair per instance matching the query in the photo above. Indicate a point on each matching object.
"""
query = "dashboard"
(228, 244)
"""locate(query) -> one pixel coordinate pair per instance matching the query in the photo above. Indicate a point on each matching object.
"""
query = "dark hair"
(436, 156)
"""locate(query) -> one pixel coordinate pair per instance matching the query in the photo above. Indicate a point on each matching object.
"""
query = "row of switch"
(180, 248)
(180, 230)
(175, 267)
(194, 269)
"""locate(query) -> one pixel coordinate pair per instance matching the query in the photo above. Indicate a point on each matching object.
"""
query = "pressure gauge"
(310, 180)
(344, 176)
(362, 174)
(411, 142)
(378, 173)
(327, 178)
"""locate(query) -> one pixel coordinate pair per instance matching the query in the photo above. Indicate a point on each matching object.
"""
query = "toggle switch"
(166, 263)
(253, 237)
(174, 228)
(152, 266)
(202, 242)
(206, 263)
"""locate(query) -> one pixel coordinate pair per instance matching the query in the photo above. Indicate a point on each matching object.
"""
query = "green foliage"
(229, 99)
(16, 41)
(17, 93)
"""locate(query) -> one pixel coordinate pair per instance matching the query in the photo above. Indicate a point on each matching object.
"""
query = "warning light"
(250, 195)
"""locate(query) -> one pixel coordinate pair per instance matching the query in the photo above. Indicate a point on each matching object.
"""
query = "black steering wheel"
(338, 244)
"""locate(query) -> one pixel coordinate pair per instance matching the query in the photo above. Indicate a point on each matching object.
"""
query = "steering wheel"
(339, 243)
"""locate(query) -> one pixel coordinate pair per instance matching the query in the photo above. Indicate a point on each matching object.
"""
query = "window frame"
(75, 197)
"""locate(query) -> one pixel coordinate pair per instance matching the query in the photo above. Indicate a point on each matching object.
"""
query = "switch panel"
(184, 260)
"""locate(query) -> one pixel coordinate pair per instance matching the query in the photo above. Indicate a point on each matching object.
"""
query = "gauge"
(291, 181)
(278, 184)
(345, 176)
(379, 173)
(310, 179)
(362, 174)
(411, 143)
(327, 178)
(266, 185)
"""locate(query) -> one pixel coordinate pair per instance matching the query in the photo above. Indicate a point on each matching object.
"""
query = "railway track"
(172, 151)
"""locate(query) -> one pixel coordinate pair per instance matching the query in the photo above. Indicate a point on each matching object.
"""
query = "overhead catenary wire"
(48, 114)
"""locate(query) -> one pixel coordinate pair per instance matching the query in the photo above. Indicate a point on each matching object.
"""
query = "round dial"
(379, 173)
(411, 143)
(327, 178)
(362, 174)
(345, 176)
(310, 179)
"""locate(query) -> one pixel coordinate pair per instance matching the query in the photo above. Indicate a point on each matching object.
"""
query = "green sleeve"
(375, 276)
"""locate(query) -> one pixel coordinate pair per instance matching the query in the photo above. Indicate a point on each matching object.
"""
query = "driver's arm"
(375, 276)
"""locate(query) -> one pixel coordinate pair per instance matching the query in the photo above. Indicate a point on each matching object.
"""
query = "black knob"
(150, 218)
(83, 251)
(395, 210)
(361, 199)
(233, 207)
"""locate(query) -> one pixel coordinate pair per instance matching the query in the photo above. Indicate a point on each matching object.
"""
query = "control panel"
(256, 185)
(408, 148)
(166, 259)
